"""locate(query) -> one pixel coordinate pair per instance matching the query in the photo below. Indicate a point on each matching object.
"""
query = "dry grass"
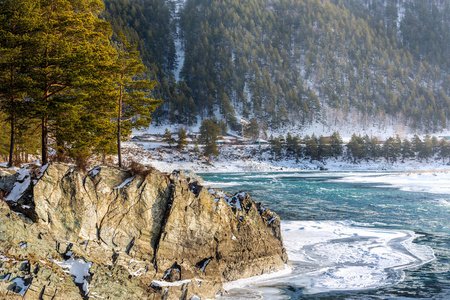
(136, 168)
(82, 163)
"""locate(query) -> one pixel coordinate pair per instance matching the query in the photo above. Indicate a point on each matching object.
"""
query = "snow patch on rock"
(79, 269)
(20, 186)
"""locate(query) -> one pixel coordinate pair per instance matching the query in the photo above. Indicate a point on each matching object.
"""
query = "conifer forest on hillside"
(78, 76)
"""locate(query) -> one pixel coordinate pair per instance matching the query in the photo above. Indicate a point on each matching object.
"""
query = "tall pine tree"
(17, 19)
(69, 52)
(134, 101)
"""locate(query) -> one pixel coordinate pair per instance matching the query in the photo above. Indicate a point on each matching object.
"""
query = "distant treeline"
(359, 148)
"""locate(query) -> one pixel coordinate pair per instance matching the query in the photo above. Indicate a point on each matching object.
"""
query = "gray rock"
(138, 232)
(7, 179)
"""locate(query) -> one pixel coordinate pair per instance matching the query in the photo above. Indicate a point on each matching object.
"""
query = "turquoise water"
(317, 196)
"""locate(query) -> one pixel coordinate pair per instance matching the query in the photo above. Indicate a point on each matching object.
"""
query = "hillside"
(295, 62)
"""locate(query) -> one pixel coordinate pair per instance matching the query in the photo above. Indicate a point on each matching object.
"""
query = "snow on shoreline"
(349, 257)
(236, 159)
(412, 175)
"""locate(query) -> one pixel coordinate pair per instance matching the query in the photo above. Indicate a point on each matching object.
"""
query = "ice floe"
(430, 182)
(337, 256)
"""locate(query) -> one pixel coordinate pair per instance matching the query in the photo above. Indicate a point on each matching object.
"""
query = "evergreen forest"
(77, 76)
(359, 148)
(294, 62)
(67, 90)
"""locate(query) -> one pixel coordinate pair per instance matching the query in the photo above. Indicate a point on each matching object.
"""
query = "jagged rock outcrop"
(68, 234)
(7, 179)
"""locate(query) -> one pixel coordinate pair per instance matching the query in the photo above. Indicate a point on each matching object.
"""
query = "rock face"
(65, 234)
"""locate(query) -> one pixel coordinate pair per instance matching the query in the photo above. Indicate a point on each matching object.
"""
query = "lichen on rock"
(143, 236)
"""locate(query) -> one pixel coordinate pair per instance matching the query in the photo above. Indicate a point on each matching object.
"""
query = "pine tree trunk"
(13, 120)
(44, 137)
(12, 141)
(44, 140)
(119, 127)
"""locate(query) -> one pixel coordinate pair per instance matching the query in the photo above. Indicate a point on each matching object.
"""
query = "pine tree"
(276, 147)
(435, 143)
(426, 150)
(134, 102)
(252, 130)
(292, 144)
(209, 132)
(167, 137)
(397, 147)
(336, 144)
(375, 148)
(4, 137)
(223, 127)
(311, 147)
(444, 149)
(67, 55)
(407, 150)
(191, 111)
(389, 150)
(355, 148)
(324, 148)
(417, 144)
(299, 147)
(83, 129)
(28, 139)
(182, 139)
(17, 19)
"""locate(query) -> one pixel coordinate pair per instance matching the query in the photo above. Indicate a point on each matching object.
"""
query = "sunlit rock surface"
(68, 234)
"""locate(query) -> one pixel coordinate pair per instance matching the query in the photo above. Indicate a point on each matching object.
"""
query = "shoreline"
(424, 172)
(246, 159)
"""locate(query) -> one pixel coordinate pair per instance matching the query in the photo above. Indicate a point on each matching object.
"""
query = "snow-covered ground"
(20, 186)
(247, 159)
(381, 129)
(254, 158)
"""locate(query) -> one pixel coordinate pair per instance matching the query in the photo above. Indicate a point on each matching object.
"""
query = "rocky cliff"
(108, 233)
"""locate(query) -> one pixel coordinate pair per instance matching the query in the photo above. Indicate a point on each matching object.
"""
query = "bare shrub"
(136, 168)
(60, 157)
(81, 162)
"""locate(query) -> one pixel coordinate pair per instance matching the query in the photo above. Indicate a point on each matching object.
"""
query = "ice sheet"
(221, 184)
(429, 182)
(337, 256)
